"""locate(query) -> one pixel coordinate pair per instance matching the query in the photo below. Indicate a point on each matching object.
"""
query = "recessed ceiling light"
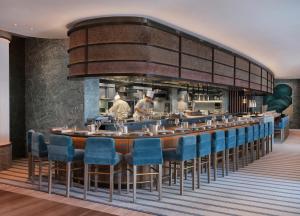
(31, 28)
(16, 24)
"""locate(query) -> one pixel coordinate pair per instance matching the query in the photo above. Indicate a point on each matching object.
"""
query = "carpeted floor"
(269, 186)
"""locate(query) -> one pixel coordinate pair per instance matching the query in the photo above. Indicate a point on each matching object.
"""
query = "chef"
(159, 104)
(182, 105)
(143, 106)
(120, 109)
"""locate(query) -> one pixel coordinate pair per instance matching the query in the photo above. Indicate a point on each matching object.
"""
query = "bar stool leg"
(175, 172)
(50, 177)
(86, 179)
(234, 159)
(199, 172)
(223, 163)
(194, 173)
(68, 179)
(29, 165)
(33, 169)
(89, 177)
(119, 181)
(159, 181)
(227, 161)
(96, 178)
(181, 176)
(237, 157)
(111, 182)
(170, 173)
(215, 166)
(258, 149)
(40, 173)
(247, 154)
(263, 147)
(252, 151)
(127, 177)
(185, 171)
(151, 179)
(208, 168)
(134, 183)
(243, 155)
(271, 142)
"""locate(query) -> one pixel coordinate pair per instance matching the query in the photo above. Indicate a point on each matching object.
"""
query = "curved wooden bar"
(124, 142)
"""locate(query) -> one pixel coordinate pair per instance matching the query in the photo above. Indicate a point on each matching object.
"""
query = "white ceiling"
(266, 30)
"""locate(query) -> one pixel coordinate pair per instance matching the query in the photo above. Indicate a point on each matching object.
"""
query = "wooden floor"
(14, 204)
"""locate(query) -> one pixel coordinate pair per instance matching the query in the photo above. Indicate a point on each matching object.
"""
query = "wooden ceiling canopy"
(137, 46)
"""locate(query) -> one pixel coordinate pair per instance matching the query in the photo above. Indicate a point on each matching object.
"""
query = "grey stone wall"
(293, 110)
(51, 99)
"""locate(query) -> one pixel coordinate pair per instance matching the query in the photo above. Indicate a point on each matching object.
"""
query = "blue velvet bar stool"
(145, 152)
(218, 146)
(249, 143)
(270, 135)
(185, 151)
(102, 151)
(39, 155)
(61, 149)
(230, 144)
(256, 139)
(240, 145)
(28, 148)
(203, 154)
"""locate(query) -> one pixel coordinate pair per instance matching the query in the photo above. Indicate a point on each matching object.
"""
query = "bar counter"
(169, 140)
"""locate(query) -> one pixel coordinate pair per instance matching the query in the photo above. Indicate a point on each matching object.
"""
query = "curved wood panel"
(137, 46)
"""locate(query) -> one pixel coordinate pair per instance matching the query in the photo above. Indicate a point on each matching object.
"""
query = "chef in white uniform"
(143, 106)
(159, 104)
(182, 105)
(120, 109)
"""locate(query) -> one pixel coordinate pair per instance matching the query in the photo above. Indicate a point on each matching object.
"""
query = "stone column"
(91, 98)
(5, 146)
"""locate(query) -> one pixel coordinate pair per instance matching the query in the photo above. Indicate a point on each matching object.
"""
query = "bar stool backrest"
(261, 130)
(203, 144)
(218, 141)
(60, 148)
(240, 136)
(147, 151)
(230, 138)
(39, 147)
(266, 129)
(249, 134)
(29, 140)
(270, 128)
(186, 148)
(256, 132)
(101, 151)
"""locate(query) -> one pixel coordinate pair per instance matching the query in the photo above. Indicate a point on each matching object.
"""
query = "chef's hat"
(150, 94)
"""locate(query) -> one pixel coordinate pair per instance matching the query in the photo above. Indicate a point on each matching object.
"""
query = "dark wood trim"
(124, 60)
(213, 65)
(234, 70)
(180, 55)
(86, 51)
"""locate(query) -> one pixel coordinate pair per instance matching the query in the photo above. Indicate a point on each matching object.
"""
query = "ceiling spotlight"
(31, 28)
(15, 24)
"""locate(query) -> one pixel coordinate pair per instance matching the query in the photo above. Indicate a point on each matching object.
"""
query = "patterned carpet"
(269, 186)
